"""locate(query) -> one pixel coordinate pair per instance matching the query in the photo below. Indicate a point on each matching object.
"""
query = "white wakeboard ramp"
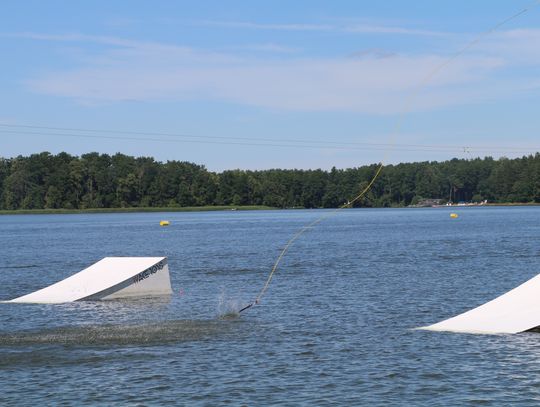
(109, 278)
(516, 311)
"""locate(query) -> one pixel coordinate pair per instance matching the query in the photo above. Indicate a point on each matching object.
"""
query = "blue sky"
(270, 84)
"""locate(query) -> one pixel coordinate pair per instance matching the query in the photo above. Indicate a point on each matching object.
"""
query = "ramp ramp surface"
(516, 311)
(109, 278)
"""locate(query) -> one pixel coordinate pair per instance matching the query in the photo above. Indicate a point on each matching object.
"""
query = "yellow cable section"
(398, 125)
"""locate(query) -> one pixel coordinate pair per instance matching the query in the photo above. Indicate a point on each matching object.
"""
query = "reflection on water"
(120, 306)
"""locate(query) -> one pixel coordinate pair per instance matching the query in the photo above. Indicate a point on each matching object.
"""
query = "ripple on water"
(335, 327)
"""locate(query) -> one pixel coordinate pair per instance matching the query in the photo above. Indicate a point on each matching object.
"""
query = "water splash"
(228, 308)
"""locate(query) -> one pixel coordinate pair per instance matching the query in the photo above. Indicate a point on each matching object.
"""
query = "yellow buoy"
(164, 223)
(453, 215)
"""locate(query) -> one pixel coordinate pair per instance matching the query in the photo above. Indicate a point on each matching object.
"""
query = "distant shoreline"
(477, 205)
(505, 204)
(135, 210)
(211, 209)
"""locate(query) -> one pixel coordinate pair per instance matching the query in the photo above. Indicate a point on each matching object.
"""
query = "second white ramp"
(516, 311)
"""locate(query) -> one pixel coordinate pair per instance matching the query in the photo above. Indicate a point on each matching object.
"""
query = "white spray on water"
(227, 307)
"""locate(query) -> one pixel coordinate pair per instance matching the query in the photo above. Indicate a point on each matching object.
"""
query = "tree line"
(44, 180)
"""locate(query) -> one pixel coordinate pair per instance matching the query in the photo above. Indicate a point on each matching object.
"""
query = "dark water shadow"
(151, 333)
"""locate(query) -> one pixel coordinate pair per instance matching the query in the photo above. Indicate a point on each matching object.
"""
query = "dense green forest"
(102, 181)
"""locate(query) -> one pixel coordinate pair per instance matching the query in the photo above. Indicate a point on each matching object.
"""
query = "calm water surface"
(335, 328)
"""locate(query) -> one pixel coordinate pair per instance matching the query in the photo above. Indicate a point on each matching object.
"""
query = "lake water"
(335, 327)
